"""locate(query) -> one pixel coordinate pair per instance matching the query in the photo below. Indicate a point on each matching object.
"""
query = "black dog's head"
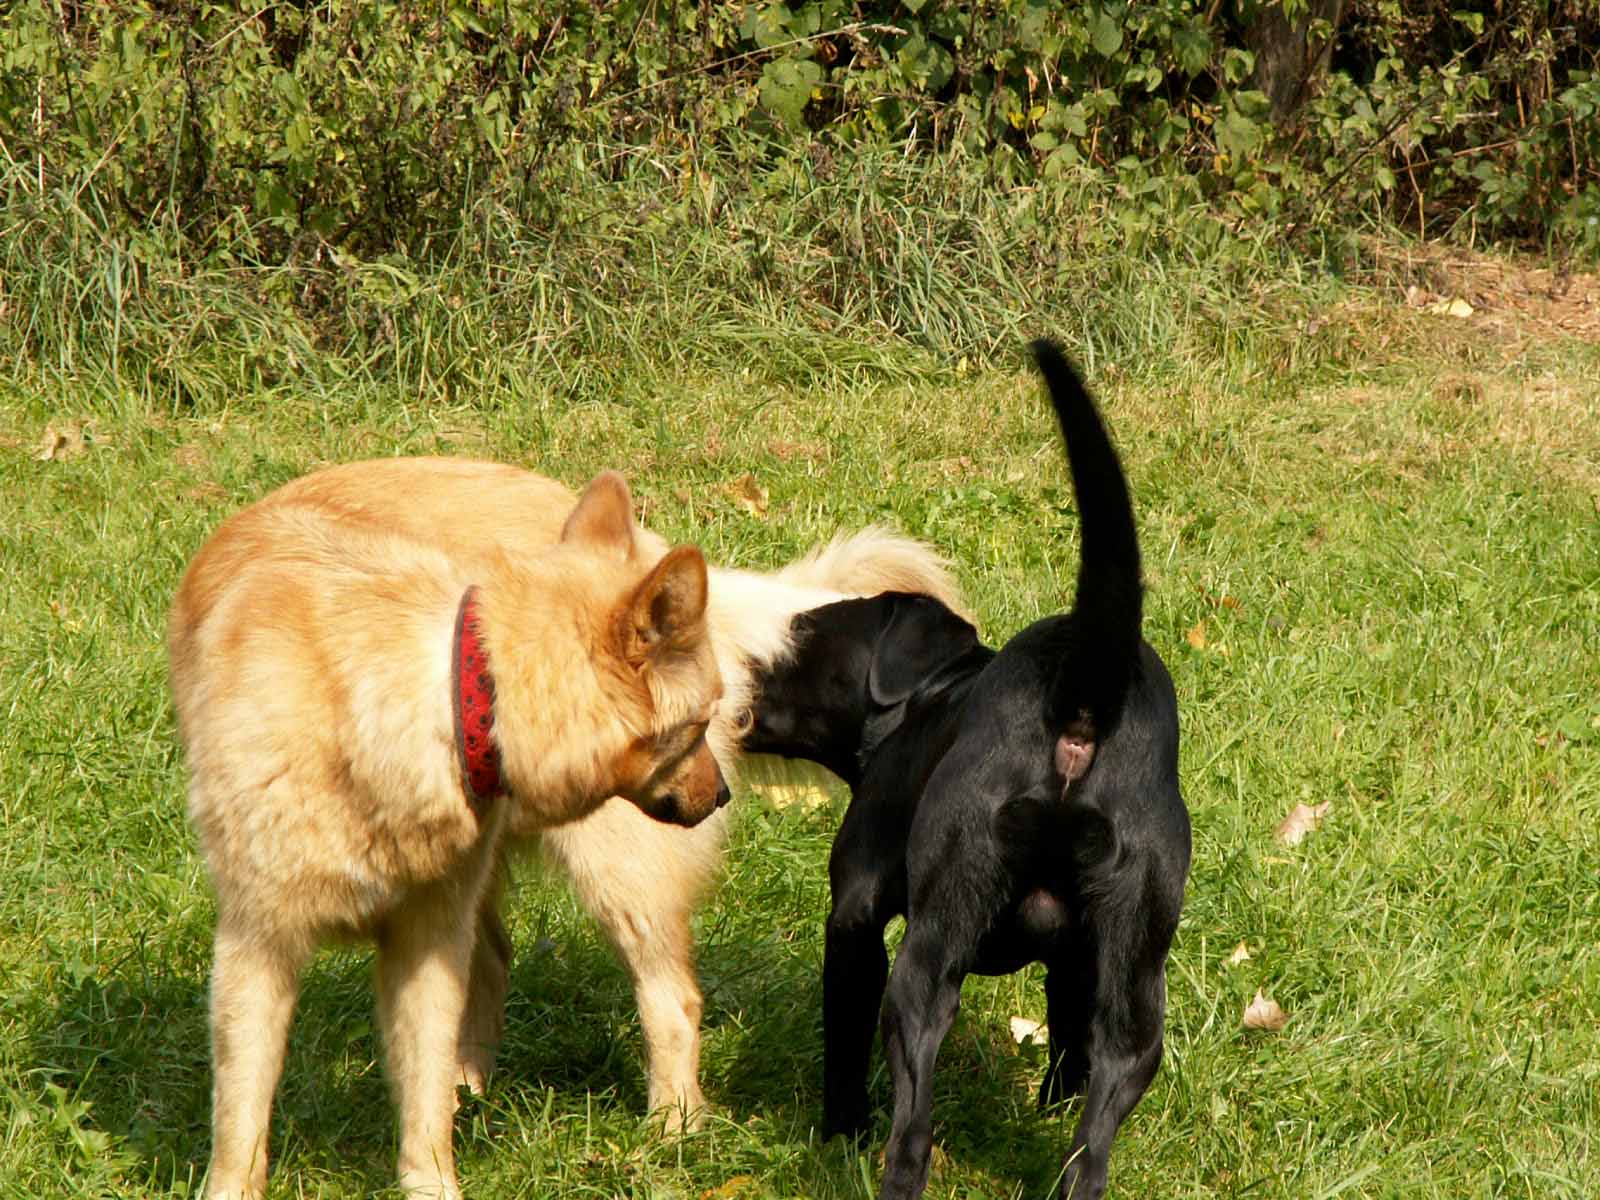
(855, 660)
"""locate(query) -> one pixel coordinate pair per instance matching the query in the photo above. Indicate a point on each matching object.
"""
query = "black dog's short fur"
(1016, 807)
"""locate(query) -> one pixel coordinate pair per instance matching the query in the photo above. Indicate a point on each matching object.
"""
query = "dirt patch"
(1507, 297)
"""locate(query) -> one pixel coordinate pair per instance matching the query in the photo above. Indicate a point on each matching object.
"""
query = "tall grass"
(808, 269)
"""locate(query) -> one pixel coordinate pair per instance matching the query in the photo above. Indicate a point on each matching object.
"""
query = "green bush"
(255, 129)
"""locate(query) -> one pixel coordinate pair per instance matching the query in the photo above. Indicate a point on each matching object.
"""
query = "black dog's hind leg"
(855, 968)
(924, 994)
(1069, 999)
(1123, 1046)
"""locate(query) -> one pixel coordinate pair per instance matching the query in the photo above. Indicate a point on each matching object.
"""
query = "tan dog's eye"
(683, 740)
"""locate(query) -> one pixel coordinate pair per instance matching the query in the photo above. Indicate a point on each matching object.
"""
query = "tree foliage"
(255, 130)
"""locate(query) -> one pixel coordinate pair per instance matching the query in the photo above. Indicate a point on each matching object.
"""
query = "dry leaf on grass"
(734, 1187)
(1302, 819)
(1262, 1013)
(807, 451)
(1196, 637)
(747, 494)
(1025, 1032)
(64, 442)
(1456, 307)
(1241, 952)
(209, 492)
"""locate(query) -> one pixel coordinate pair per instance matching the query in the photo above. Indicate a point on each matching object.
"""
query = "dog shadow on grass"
(764, 1071)
(123, 1065)
(124, 1061)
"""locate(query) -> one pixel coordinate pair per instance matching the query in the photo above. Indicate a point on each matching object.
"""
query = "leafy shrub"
(372, 126)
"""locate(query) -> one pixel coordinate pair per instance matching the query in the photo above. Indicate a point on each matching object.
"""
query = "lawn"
(1375, 574)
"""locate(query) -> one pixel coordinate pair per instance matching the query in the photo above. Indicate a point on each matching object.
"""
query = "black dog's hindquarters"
(1016, 807)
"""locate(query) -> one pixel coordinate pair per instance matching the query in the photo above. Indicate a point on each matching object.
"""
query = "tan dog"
(369, 704)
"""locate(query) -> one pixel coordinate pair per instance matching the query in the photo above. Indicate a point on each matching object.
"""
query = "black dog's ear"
(920, 636)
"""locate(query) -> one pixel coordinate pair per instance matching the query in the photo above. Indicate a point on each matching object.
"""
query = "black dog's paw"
(851, 1122)
(1083, 1180)
(1063, 1082)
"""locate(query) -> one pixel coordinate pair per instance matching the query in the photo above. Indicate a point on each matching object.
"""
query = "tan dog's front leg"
(640, 880)
(424, 960)
(669, 1011)
(253, 987)
(659, 955)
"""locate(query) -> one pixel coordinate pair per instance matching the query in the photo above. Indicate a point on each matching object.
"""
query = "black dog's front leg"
(924, 994)
(855, 967)
(853, 974)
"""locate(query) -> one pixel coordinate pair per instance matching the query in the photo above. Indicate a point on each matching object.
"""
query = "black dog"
(1016, 807)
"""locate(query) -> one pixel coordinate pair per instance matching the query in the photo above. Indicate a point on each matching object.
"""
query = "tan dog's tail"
(874, 560)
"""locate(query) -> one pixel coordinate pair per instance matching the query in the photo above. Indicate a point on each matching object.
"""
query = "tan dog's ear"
(604, 515)
(668, 608)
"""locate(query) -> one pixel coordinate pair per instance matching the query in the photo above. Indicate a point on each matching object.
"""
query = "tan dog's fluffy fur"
(640, 878)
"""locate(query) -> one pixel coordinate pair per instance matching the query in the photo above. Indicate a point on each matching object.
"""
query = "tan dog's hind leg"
(253, 988)
(485, 1019)
(424, 961)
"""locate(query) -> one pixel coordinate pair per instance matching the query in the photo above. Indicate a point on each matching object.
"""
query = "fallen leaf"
(1262, 1013)
(747, 494)
(1451, 308)
(1196, 637)
(1240, 953)
(1302, 819)
(63, 443)
(809, 451)
(955, 468)
(209, 492)
(1231, 603)
(733, 1187)
(1025, 1032)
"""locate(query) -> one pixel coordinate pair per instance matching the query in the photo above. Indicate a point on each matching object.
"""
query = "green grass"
(1390, 557)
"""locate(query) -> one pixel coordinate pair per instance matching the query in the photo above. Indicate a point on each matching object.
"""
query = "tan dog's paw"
(234, 1191)
(474, 1074)
(428, 1185)
(684, 1115)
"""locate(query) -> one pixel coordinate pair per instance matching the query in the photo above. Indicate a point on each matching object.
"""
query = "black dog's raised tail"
(1110, 596)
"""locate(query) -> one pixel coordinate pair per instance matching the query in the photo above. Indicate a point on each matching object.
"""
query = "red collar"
(473, 700)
